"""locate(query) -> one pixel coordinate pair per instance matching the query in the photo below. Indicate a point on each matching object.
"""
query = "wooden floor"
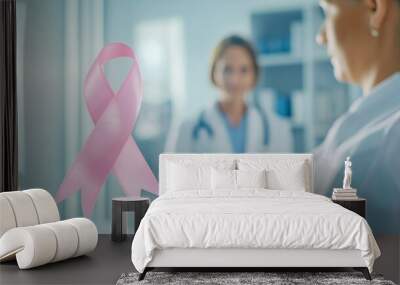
(103, 266)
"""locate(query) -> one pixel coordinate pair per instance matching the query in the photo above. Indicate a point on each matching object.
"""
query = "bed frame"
(237, 259)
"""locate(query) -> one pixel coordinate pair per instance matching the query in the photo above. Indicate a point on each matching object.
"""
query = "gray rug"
(225, 278)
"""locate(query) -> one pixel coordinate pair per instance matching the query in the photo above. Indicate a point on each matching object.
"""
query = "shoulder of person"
(391, 142)
(190, 122)
(393, 129)
(187, 124)
(253, 111)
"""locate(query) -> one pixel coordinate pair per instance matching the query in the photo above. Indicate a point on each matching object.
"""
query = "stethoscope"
(202, 124)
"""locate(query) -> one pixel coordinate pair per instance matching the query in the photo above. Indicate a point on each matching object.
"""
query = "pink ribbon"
(110, 146)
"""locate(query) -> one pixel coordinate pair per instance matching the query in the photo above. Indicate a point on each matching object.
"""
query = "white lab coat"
(370, 134)
(183, 141)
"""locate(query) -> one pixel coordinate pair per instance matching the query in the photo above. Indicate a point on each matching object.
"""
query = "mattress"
(250, 219)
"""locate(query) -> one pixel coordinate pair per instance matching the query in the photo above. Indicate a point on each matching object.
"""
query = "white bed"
(248, 227)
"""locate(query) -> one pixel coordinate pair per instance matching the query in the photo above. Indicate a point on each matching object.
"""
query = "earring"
(374, 32)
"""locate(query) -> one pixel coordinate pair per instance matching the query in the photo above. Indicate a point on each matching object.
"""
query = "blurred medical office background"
(58, 40)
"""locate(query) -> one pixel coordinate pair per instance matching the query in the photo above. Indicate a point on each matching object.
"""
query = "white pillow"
(185, 174)
(282, 174)
(223, 179)
(251, 178)
(236, 179)
(181, 178)
(290, 179)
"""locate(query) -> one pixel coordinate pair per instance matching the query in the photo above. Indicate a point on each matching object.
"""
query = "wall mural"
(251, 79)
(110, 146)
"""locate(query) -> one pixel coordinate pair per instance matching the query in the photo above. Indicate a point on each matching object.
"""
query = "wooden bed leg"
(143, 274)
(364, 271)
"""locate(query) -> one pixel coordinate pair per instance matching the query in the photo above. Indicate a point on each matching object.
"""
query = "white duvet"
(251, 218)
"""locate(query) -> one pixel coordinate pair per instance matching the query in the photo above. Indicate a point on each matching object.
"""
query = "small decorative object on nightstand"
(357, 205)
(347, 196)
(346, 193)
(348, 173)
(120, 205)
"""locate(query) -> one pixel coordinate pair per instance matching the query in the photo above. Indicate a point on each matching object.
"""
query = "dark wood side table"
(138, 205)
(358, 205)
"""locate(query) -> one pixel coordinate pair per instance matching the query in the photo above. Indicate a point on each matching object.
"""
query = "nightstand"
(357, 205)
(120, 206)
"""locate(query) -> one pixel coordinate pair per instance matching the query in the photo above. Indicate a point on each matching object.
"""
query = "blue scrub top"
(237, 133)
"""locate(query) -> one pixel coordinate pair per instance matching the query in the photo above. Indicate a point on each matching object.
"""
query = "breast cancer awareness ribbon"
(110, 147)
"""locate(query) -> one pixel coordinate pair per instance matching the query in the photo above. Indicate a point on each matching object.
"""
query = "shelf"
(279, 59)
(292, 61)
(288, 59)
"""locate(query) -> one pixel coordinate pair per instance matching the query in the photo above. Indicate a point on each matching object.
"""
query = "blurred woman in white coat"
(362, 38)
(230, 125)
